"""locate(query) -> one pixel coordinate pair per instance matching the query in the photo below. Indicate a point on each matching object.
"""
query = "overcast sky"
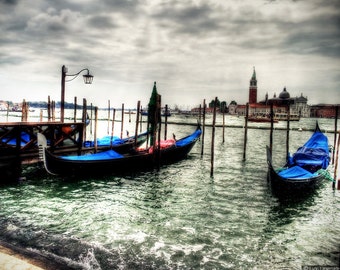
(193, 49)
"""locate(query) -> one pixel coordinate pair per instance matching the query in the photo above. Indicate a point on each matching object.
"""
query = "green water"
(179, 217)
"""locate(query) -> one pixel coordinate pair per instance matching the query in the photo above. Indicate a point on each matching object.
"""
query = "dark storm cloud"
(9, 2)
(191, 20)
(318, 35)
(101, 22)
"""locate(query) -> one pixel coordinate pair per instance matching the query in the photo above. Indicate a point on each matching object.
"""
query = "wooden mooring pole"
(288, 128)
(213, 140)
(95, 129)
(75, 110)
(108, 117)
(335, 130)
(245, 132)
(336, 163)
(137, 123)
(203, 127)
(112, 126)
(223, 126)
(84, 118)
(122, 123)
(271, 128)
(48, 108)
(166, 122)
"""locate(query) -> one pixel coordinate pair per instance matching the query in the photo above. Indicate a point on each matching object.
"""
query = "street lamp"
(88, 78)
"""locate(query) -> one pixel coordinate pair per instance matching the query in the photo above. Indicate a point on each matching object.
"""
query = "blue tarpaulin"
(189, 139)
(106, 155)
(105, 141)
(296, 172)
(314, 152)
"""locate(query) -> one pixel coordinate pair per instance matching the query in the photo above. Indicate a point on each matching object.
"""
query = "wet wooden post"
(336, 163)
(24, 111)
(159, 123)
(335, 130)
(271, 128)
(108, 117)
(129, 115)
(95, 128)
(113, 125)
(7, 111)
(203, 127)
(223, 126)
(91, 117)
(288, 127)
(84, 118)
(17, 149)
(166, 122)
(245, 132)
(48, 109)
(200, 114)
(122, 123)
(75, 110)
(53, 111)
(141, 119)
(137, 123)
(213, 140)
(41, 115)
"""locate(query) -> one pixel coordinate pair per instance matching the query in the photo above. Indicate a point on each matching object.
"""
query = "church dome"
(284, 94)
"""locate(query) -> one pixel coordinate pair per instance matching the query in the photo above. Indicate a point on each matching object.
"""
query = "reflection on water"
(179, 217)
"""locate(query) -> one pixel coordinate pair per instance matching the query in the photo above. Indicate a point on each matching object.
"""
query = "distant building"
(232, 108)
(253, 89)
(298, 105)
(3, 105)
(323, 111)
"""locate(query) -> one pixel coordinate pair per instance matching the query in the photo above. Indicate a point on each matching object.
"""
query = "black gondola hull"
(129, 162)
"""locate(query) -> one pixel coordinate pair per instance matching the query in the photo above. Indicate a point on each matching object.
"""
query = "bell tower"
(253, 89)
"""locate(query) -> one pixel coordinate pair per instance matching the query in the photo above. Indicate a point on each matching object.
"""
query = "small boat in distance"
(284, 117)
(112, 162)
(304, 171)
(261, 118)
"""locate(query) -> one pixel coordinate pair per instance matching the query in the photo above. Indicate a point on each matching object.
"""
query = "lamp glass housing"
(88, 78)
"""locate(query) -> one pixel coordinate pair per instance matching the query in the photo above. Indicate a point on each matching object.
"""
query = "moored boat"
(304, 170)
(112, 162)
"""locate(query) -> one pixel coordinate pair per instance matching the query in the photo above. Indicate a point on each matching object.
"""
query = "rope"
(326, 174)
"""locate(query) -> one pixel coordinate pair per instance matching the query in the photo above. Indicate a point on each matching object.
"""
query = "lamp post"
(88, 78)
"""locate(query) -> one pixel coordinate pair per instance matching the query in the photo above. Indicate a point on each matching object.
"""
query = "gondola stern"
(42, 144)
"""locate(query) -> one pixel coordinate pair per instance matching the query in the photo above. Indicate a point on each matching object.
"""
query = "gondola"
(112, 162)
(304, 170)
(115, 143)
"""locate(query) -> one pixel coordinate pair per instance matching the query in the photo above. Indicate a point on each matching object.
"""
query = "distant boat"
(304, 170)
(284, 117)
(163, 112)
(261, 119)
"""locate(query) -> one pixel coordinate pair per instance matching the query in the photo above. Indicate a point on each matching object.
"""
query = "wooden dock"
(21, 138)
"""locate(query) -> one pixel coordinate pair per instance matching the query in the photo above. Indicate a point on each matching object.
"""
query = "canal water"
(179, 217)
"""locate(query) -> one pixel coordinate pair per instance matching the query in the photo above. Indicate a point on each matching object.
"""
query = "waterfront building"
(298, 105)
